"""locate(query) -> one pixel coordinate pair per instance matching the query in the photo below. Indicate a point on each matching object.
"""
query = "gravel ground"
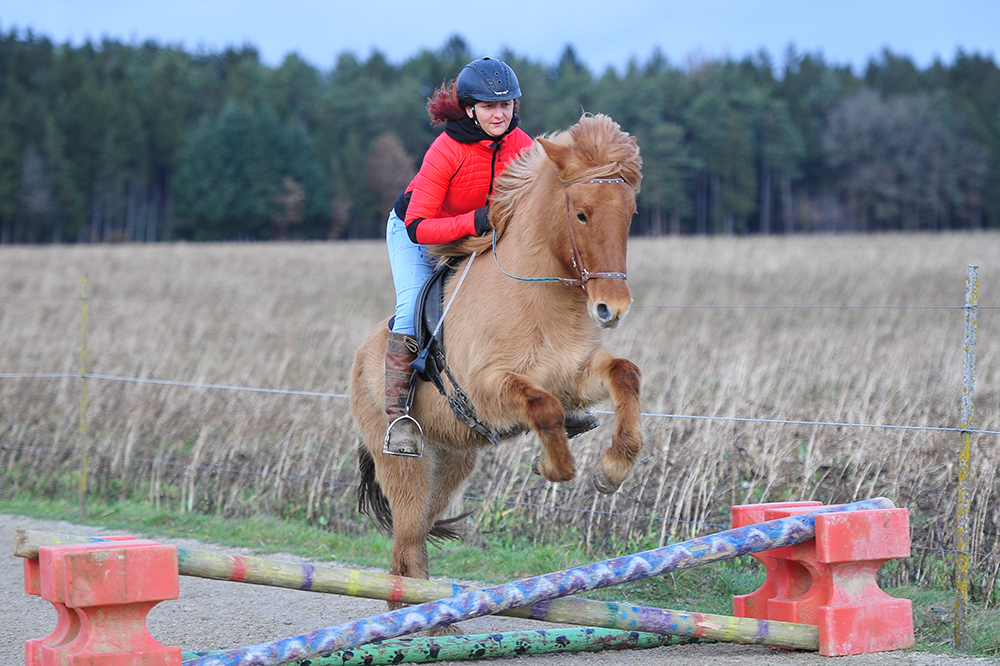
(218, 615)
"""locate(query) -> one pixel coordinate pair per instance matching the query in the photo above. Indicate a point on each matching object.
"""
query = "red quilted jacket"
(455, 179)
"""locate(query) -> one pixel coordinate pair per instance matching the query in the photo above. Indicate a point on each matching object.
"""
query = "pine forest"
(142, 142)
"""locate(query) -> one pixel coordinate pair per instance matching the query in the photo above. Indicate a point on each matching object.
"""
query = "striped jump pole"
(476, 603)
(565, 610)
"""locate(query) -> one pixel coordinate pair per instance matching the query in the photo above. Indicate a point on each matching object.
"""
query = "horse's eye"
(581, 216)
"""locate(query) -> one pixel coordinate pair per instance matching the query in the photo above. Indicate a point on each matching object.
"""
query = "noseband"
(576, 257)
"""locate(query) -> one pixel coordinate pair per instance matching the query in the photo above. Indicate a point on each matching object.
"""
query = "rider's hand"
(483, 221)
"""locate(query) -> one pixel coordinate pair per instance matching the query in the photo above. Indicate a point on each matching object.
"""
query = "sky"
(603, 33)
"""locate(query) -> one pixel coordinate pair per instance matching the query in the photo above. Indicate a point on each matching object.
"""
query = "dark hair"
(443, 104)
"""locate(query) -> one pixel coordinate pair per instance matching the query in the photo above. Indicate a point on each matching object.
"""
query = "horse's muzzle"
(606, 314)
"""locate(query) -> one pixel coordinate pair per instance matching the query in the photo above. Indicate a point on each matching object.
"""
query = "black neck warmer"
(467, 130)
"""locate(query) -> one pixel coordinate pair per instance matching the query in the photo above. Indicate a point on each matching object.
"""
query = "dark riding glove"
(483, 221)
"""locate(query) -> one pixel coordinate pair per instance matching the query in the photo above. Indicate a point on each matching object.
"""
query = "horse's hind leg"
(451, 468)
(406, 483)
(619, 379)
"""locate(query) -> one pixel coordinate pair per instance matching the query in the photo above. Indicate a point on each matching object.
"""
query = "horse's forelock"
(605, 151)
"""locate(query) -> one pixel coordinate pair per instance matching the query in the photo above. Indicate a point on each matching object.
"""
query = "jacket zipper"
(493, 170)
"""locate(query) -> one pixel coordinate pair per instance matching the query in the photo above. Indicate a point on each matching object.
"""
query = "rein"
(577, 258)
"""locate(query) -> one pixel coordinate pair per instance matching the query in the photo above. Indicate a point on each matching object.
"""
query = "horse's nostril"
(604, 312)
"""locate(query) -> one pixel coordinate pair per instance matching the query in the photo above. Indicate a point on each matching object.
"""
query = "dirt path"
(218, 615)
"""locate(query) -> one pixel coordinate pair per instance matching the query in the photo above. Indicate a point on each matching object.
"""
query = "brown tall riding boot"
(403, 436)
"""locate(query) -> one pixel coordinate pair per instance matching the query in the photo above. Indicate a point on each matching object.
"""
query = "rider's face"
(493, 117)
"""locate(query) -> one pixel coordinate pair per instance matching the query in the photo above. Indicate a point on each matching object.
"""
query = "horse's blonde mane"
(602, 150)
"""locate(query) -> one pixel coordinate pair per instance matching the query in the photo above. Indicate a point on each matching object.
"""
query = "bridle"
(575, 256)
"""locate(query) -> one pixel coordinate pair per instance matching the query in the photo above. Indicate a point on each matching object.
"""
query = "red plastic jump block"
(831, 582)
(67, 621)
(102, 593)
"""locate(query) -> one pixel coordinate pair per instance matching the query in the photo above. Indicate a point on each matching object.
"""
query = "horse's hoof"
(603, 483)
(446, 630)
(536, 467)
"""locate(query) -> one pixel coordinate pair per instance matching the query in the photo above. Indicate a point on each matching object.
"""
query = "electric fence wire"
(165, 382)
(321, 394)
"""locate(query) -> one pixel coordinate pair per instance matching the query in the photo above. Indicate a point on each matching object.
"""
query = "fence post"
(968, 401)
(84, 358)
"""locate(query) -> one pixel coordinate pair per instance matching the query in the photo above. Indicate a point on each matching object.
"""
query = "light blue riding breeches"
(411, 267)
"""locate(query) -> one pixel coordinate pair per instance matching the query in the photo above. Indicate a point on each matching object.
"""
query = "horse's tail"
(373, 503)
(371, 500)
(443, 529)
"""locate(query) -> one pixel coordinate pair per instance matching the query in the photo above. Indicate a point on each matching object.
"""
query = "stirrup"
(414, 454)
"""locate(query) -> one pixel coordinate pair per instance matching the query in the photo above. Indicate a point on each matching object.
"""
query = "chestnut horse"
(525, 350)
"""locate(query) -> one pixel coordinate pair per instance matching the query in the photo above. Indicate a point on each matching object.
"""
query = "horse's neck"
(536, 244)
(537, 247)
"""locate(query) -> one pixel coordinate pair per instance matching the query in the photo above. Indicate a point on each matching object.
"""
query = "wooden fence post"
(968, 400)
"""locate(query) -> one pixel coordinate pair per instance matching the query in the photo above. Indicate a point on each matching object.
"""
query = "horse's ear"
(559, 154)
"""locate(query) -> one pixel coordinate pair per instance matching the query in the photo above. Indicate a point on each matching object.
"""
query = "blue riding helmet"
(487, 80)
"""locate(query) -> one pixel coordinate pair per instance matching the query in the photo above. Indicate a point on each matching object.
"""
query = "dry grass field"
(815, 329)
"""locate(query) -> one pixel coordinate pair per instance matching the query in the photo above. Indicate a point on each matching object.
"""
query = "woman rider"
(447, 200)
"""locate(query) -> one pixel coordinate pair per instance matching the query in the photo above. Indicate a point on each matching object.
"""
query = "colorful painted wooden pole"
(566, 610)
(476, 603)
(484, 646)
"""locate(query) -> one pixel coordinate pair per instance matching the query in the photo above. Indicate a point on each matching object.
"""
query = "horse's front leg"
(619, 379)
(543, 412)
